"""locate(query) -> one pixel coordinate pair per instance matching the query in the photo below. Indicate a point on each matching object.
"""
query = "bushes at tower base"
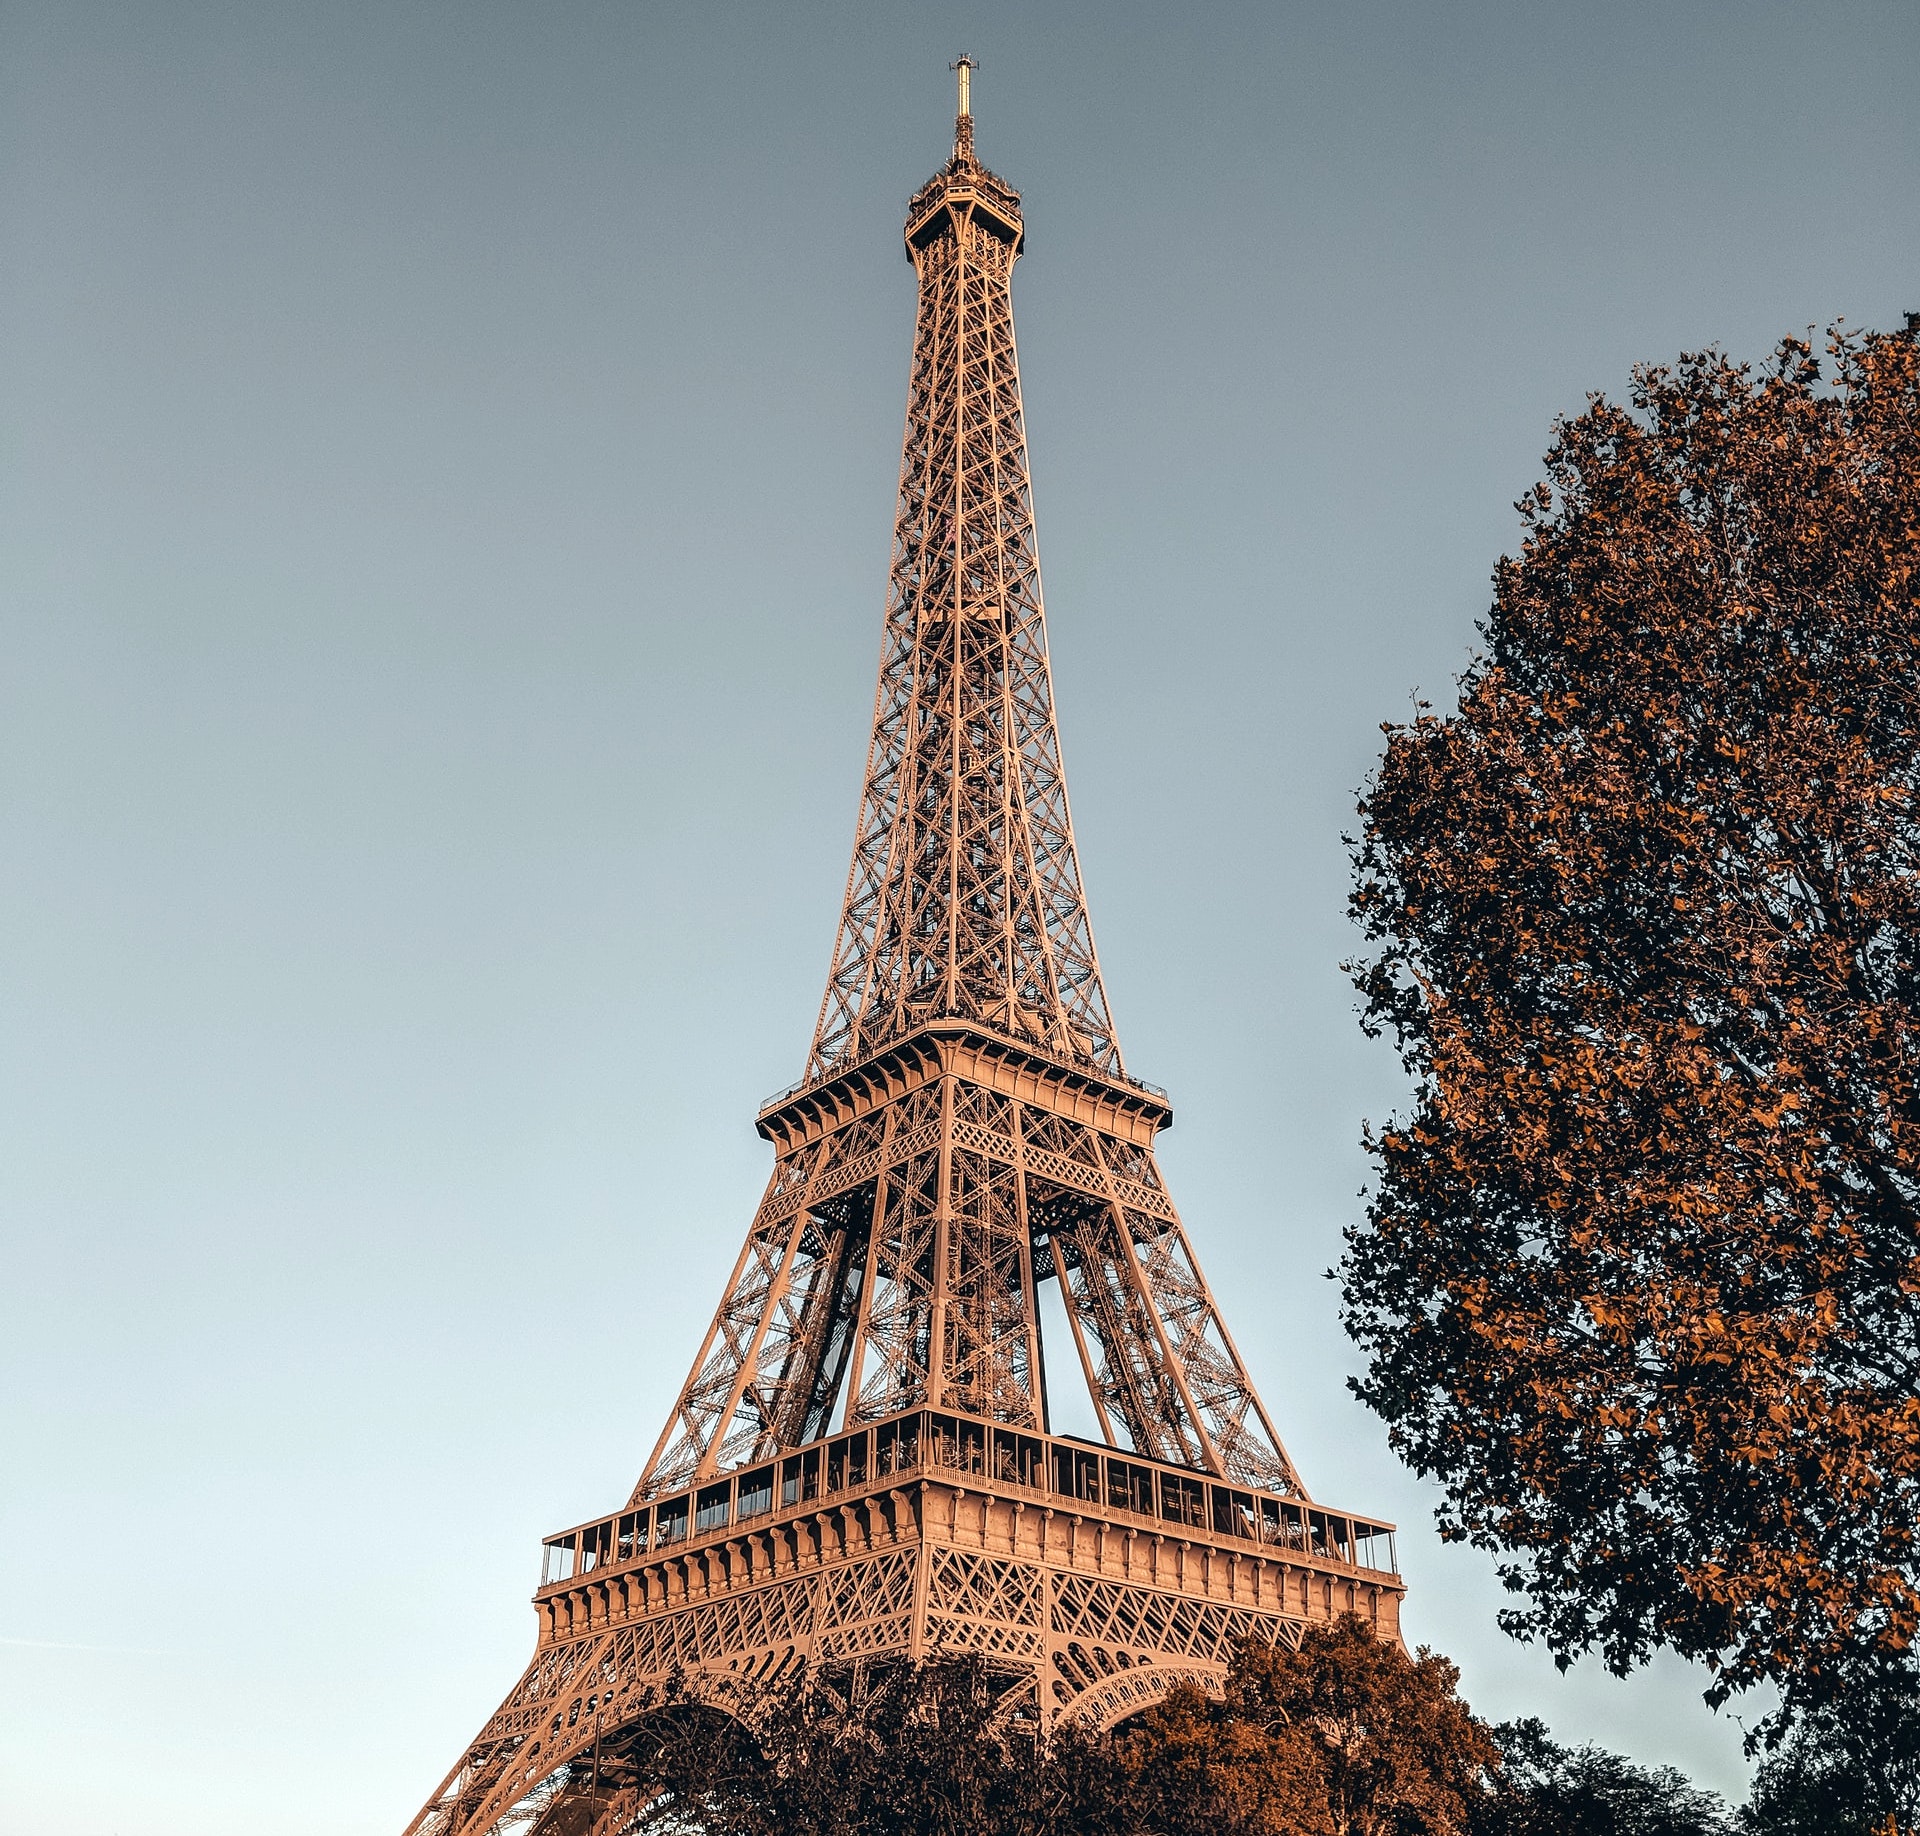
(872, 1749)
(1348, 1736)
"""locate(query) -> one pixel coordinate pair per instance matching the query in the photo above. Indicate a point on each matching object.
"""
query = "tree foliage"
(1347, 1736)
(1852, 1765)
(869, 1750)
(1545, 1789)
(1640, 1280)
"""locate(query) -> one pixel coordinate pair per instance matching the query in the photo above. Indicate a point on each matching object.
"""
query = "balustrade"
(931, 1443)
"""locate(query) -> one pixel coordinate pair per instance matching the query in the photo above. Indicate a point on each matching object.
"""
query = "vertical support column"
(922, 1574)
(1030, 1299)
(942, 1251)
(861, 1325)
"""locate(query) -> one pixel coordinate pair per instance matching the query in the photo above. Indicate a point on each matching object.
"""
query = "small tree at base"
(1347, 1736)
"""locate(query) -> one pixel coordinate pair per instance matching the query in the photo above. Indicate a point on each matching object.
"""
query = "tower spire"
(964, 898)
(963, 67)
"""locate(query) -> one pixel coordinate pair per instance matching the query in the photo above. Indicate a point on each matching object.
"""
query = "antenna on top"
(963, 123)
(966, 66)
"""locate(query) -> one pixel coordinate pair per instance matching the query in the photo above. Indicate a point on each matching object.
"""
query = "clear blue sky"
(446, 490)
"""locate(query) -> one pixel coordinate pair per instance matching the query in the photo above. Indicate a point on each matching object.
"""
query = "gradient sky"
(446, 491)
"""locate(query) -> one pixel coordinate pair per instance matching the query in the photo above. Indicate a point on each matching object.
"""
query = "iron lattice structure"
(860, 1464)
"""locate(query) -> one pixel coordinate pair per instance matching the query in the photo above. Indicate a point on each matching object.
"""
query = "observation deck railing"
(1050, 1470)
(1122, 1079)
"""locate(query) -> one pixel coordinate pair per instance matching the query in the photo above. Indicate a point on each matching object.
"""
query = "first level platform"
(1091, 1580)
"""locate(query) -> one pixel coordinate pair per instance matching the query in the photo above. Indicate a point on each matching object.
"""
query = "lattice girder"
(964, 906)
(911, 1241)
(964, 897)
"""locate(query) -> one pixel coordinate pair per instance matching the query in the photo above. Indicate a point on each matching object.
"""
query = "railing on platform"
(927, 1442)
(1125, 1080)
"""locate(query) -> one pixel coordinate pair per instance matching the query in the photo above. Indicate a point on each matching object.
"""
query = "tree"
(1640, 1278)
(1348, 1736)
(1545, 1789)
(875, 1749)
(1852, 1765)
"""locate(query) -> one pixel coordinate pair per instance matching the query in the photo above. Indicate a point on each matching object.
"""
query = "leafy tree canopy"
(881, 1749)
(1852, 1765)
(1640, 1280)
(1545, 1789)
(1347, 1736)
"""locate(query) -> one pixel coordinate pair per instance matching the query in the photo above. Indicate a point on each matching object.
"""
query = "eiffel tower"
(861, 1464)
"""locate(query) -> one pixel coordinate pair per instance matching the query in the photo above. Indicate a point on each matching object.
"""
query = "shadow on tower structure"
(861, 1463)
